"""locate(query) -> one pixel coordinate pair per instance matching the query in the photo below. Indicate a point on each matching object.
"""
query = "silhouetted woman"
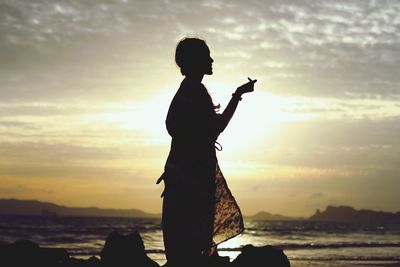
(199, 211)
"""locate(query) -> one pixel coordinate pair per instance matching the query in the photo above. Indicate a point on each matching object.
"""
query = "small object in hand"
(252, 81)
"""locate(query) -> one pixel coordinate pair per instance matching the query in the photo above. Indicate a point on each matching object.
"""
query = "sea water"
(300, 240)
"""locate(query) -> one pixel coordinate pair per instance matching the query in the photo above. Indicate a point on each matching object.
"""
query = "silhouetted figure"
(199, 211)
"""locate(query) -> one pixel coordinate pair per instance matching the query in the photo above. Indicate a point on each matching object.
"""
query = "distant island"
(334, 214)
(34, 207)
(331, 213)
(266, 216)
(349, 214)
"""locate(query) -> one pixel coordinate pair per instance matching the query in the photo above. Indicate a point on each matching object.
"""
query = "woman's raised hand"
(246, 88)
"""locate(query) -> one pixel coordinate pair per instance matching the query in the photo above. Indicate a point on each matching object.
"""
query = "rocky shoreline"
(125, 250)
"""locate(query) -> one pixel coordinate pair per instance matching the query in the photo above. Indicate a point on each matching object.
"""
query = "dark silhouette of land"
(266, 216)
(34, 207)
(331, 213)
(349, 214)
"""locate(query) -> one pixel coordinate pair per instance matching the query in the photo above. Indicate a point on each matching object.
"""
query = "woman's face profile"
(208, 62)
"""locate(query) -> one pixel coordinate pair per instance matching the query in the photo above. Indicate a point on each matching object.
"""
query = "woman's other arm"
(178, 117)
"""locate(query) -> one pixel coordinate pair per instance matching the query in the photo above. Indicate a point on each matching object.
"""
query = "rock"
(27, 253)
(128, 251)
(125, 250)
(252, 256)
(218, 261)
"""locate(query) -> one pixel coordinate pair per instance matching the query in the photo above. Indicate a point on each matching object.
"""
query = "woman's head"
(193, 57)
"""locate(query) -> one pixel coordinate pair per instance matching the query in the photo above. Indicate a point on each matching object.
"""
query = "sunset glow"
(86, 88)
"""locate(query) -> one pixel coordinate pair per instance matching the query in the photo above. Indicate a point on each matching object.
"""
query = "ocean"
(300, 240)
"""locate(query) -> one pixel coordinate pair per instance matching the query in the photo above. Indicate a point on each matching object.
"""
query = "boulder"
(265, 256)
(125, 250)
(26, 253)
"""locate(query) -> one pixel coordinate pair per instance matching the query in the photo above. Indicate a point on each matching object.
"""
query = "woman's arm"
(225, 117)
(179, 116)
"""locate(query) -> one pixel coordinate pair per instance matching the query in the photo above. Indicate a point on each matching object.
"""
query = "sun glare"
(146, 118)
(257, 118)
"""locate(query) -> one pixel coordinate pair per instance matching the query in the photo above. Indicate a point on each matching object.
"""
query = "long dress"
(199, 210)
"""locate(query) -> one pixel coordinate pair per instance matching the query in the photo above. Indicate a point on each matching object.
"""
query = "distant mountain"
(266, 216)
(331, 213)
(346, 213)
(34, 207)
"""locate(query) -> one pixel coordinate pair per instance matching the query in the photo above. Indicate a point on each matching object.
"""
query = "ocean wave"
(156, 252)
(292, 246)
(346, 258)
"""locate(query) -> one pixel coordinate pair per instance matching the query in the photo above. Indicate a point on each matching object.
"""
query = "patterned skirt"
(198, 213)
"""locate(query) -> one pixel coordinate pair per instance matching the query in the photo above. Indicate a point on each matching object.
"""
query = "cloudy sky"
(85, 87)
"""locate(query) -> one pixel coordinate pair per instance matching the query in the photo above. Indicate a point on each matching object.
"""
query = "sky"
(86, 85)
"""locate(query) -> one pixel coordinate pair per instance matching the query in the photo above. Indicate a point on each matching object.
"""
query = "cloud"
(18, 125)
(317, 195)
(62, 49)
(351, 146)
(45, 109)
(21, 189)
(330, 108)
(61, 61)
